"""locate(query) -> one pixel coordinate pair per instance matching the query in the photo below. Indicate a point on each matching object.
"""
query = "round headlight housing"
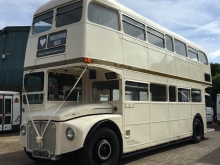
(70, 133)
(23, 130)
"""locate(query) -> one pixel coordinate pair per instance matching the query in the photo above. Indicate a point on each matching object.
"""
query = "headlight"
(23, 130)
(70, 133)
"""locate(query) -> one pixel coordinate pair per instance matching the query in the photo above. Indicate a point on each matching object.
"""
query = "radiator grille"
(49, 141)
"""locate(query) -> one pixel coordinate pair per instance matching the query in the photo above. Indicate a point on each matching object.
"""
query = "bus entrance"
(7, 112)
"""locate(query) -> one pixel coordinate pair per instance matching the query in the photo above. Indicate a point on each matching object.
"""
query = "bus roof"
(113, 3)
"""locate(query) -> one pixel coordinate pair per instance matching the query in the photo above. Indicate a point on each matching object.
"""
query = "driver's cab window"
(60, 85)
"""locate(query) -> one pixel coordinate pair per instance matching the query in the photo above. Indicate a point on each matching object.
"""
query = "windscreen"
(60, 85)
(33, 83)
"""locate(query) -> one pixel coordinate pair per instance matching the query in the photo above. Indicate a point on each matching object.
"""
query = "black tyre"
(101, 149)
(197, 131)
(29, 155)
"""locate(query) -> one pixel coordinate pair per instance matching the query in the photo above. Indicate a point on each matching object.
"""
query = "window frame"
(56, 13)
(207, 62)
(119, 89)
(189, 49)
(200, 95)
(112, 9)
(47, 86)
(175, 93)
(190, 101)
(165, 85)
(141, 82)
(173, 47)
(164, 41)
(33, 22)
(184, 45)
(129, 17)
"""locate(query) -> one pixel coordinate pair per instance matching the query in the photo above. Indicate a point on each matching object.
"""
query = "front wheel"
(197, 131)
(101, 149)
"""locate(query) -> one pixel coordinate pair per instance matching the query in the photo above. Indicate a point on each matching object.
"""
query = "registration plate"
(41, 154)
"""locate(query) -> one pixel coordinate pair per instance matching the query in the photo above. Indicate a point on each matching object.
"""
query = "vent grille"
(49, 141)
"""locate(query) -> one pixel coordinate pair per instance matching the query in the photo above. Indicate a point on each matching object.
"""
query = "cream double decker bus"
(104, 82)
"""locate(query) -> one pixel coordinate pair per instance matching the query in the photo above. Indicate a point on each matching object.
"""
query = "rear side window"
(196, 95)
(69, 14)
(180, 48)
(133, 28)
(103, 16)
(155, 37)
(203, 58)
(193, 54)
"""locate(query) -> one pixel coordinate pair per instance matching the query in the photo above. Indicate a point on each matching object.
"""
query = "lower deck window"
(183, 95)
(196, 95)
(158, 92)
(135, 91)
(172, 94)
(105, 91)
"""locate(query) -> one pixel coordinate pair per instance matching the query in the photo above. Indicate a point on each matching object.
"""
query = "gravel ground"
(205, 153)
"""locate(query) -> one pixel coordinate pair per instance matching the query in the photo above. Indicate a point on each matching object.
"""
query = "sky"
(195, 20)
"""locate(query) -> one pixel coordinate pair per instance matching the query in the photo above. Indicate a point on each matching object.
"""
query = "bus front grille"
(49, 139)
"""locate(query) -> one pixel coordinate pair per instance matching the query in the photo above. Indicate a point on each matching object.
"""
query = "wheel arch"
(110, 124)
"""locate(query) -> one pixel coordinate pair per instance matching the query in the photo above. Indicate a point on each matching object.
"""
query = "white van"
(209, 109)
(10, 117)
(218, 108)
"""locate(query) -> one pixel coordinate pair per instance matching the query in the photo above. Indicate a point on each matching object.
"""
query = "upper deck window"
(103, 16)
(169, 43)
(155, 37)
(180, 48)
(203, 58)
(42, 23)
(133, 28)
(193, 54)
(69, 14)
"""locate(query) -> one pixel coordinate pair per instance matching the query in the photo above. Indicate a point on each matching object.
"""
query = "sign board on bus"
(57, 39)
(54, 41)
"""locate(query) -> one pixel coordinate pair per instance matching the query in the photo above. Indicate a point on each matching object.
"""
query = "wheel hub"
(104, 150)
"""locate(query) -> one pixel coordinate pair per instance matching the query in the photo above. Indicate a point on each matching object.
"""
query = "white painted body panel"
(142, 124)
